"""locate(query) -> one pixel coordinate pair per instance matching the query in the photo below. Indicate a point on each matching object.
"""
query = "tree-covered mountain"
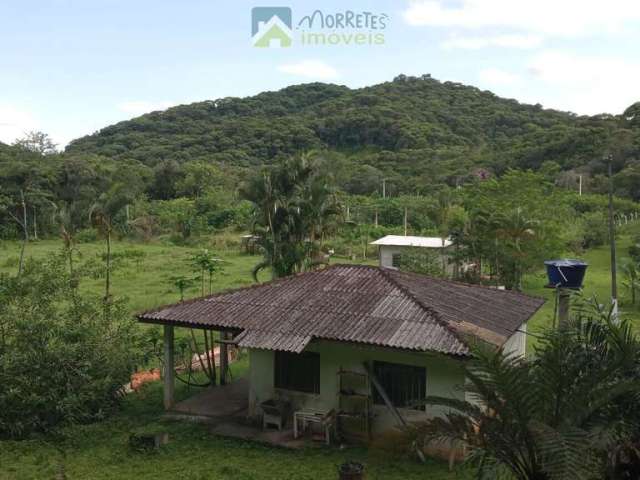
(414, 130)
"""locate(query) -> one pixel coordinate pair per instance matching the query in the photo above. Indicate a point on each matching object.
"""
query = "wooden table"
(324, 418)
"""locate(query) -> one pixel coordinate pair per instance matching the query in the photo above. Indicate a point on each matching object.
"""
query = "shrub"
(64, 357)
(421, 260)
(86, 235)
(596, 231)
(634, 249)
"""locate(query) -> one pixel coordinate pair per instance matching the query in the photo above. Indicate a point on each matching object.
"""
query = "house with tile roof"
(367, 343)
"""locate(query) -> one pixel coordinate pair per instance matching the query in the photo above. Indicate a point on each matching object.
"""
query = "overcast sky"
(71, 67)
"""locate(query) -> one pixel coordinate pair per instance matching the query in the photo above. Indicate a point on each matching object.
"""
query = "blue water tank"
(566, 273)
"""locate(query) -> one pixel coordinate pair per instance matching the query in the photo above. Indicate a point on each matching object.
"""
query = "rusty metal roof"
(487, 313)
(356, 303)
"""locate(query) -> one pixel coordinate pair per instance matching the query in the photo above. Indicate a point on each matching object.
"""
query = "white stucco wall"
(444, 378)
(517, 343)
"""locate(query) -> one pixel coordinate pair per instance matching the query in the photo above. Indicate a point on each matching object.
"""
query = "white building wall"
(444, 378)
(386, 255)
(517, 343)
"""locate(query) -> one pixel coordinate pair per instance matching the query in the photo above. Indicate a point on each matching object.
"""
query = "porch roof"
(356, 303)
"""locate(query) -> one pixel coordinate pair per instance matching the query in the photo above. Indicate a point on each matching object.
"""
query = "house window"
(395, 260)
(298, 371)
(405, 385)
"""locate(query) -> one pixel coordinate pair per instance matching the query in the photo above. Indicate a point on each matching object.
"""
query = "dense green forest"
(416, 132)
(414, 155)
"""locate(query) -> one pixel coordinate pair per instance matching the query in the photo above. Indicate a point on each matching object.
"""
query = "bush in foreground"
(64, 356)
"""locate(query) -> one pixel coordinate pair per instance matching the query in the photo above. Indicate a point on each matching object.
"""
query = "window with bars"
(405, 385)
(298, 371)
(396, 259)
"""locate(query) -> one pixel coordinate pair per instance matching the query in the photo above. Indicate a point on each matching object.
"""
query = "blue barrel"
(566, 273)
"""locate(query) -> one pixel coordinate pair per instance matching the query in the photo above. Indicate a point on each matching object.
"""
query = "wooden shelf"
(354, 423)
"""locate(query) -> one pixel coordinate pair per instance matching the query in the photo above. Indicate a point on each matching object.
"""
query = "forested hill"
(413, 128)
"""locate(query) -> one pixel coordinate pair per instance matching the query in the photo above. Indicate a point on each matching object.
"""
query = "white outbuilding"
(391, 247)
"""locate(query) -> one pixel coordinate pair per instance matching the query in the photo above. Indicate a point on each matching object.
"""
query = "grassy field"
(100, 451)
(147, 280)
(144, 279)
(597, 283)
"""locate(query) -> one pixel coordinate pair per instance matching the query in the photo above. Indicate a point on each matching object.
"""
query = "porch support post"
(224, 358)
(169, 381)
(564, 306)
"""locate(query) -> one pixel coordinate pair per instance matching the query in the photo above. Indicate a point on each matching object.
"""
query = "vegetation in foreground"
(567, 412)
(101, 451)
(145, 276)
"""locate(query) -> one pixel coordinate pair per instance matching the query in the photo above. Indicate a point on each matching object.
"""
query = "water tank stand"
(564, 306)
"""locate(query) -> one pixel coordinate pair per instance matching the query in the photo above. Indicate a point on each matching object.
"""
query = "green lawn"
(146, 281)
(597, 283)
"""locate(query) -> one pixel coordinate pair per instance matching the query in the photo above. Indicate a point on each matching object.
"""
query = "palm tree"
(631, 278)
(102, 214)
(562, 415)
(514, 228)
(62, 215)
(443, 212)
(293, 202)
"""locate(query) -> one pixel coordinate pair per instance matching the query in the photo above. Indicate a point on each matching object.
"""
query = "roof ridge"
(385, 273)
(473, 285)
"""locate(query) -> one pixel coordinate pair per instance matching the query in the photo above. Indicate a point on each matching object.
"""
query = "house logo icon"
(271, 27)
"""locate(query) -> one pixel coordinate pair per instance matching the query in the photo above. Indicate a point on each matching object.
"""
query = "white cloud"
(587, 84)
(521, 41)
(15, 122)
(552, 17)
(139, 107)
(497, 77)
(315, 69)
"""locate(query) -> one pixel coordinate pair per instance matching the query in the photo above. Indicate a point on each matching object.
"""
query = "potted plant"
(351, 471)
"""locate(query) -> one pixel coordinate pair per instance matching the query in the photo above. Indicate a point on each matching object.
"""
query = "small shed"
(249, 244)
(391, 248)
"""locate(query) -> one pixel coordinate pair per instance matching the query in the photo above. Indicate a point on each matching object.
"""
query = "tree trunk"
(197, 352)
(107, 288)
(210, 364)
(25, 231)
(35, 224)
(274, 246)
(456, 265)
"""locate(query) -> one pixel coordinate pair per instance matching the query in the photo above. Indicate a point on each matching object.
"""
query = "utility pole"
(580, 185)
(612, 242)
(405, 221)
